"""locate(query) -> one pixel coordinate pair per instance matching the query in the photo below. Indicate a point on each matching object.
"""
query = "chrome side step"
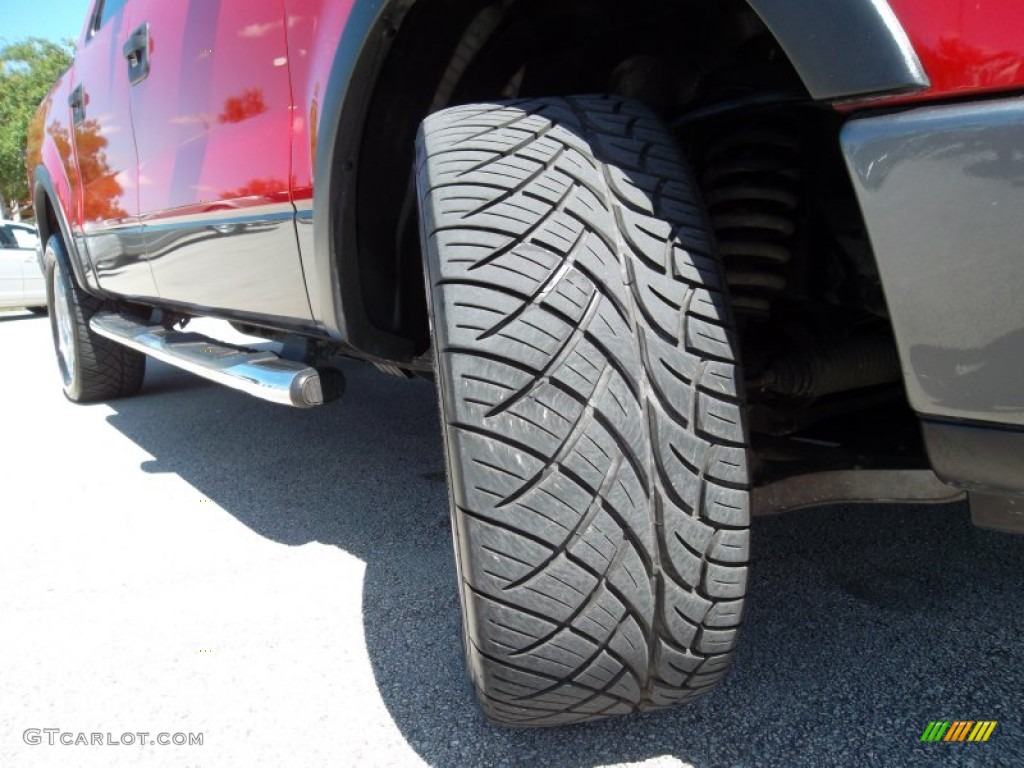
(258, 373)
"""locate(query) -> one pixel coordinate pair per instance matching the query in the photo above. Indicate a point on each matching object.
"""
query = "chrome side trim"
(257, 373)
(218, 217)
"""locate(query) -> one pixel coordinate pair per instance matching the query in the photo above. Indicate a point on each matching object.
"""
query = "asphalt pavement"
(194, 561)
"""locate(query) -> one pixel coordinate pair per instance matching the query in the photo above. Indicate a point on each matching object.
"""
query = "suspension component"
(751, 183)
(824, 369)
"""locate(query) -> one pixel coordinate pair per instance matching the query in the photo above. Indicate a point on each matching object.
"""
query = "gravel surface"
(193, 560)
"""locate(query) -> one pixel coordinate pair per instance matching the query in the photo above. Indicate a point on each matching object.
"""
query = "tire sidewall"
(58, 279)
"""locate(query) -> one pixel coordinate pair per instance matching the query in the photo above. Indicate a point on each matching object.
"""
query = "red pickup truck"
(668, 263)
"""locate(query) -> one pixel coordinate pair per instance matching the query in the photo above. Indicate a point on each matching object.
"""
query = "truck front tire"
(591, 408)
(91, 367)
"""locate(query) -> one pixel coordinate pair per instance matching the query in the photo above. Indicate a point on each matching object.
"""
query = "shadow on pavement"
(14, 315)
(863, 625)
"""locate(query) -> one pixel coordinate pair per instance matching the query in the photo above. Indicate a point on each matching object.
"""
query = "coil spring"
(751, 183)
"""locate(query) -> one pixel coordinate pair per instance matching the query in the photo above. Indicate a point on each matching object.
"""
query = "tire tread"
(592, 415)
(104, 369)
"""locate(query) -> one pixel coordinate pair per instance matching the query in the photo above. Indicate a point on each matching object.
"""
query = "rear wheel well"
(48, 224)
(46, 217)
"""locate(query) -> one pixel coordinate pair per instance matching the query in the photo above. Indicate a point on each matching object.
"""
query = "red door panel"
(212, 126)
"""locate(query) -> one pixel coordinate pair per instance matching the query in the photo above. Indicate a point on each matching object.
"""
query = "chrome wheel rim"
(62, 319)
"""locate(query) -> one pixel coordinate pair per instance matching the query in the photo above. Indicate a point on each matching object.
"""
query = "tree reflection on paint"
(238, 108)
(102, 192)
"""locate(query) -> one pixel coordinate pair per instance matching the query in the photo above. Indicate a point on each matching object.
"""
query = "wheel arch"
(844, 49)
(336, 285)
(840, 49)
(51, 220)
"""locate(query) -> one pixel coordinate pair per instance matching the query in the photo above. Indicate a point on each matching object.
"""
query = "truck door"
(212, 114)
(105, 155)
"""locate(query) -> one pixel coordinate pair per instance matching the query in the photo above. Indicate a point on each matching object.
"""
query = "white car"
(21, 281)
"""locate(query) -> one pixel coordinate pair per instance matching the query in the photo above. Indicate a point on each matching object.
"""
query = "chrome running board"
(258, 373)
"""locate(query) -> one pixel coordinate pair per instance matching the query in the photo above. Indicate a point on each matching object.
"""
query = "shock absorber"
(751, 183)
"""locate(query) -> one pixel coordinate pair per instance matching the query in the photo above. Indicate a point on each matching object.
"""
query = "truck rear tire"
(591, 408)
(91, 367)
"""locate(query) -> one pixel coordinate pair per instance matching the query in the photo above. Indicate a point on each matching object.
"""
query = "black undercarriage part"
(826, 368)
